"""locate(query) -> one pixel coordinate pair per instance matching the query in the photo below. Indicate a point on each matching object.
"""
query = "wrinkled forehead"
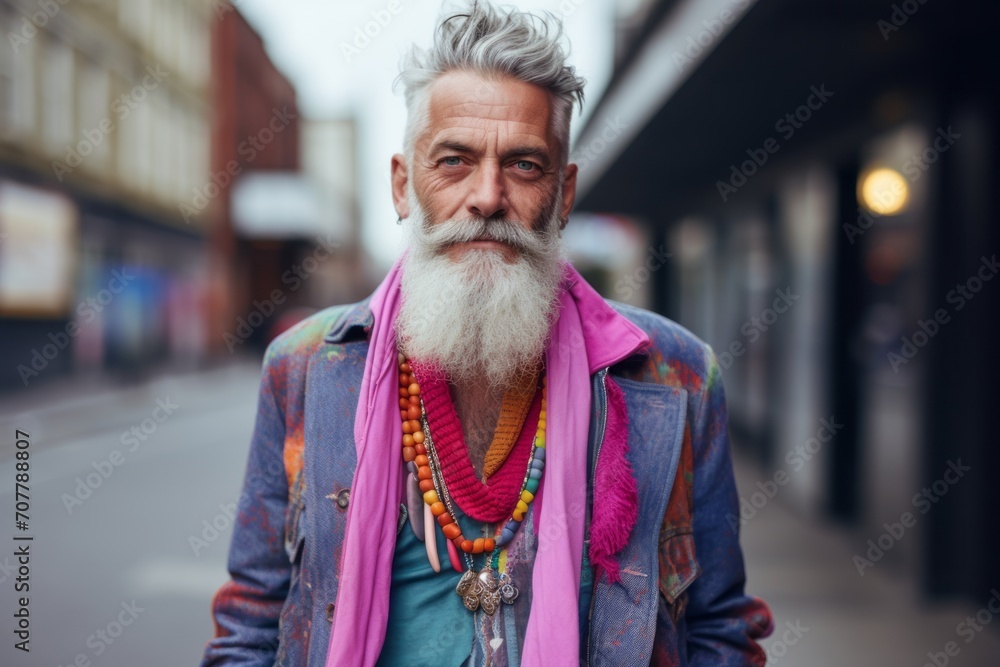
(487, 113)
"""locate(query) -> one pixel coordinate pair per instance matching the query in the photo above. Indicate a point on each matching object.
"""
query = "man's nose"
(488, 196)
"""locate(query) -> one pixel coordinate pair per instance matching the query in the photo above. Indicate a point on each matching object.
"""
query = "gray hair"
(493, 41)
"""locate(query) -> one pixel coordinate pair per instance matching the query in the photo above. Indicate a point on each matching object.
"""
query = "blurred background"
(808, 186)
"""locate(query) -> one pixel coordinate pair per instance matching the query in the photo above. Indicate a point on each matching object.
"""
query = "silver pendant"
(508, 593)
(485, 589)
(465, 583)
(488, 587)
(465, 589)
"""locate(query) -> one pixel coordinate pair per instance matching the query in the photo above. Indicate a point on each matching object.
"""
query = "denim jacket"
(277, 609)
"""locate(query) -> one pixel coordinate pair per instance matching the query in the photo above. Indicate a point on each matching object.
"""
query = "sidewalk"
(826, 615)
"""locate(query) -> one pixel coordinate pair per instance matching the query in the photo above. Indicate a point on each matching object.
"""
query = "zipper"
(602, 421)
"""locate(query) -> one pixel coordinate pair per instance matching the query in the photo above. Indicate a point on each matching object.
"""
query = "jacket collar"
(354, 322)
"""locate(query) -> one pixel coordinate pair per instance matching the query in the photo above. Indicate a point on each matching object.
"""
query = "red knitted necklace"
(491, 501)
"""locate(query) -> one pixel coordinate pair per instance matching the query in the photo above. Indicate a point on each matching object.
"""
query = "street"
(130, 547)
(826, 615)
(114, 578)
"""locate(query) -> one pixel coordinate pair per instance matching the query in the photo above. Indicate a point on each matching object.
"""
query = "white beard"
(479, 319)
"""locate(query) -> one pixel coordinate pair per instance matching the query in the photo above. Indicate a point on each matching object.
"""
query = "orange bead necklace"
(488, 587)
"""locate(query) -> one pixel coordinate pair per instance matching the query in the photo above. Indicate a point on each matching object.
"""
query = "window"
(57, 95)
(94, 111)
(17, 81)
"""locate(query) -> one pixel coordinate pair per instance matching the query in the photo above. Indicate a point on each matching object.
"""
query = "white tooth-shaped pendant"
(430, 539)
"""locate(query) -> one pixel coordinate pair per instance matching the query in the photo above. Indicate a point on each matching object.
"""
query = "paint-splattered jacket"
(278, 607)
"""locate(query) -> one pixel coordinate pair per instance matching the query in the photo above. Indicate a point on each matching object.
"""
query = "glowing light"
(884, 191)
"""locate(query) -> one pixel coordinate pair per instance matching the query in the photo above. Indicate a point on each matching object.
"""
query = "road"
(114, 578)
(129, 548)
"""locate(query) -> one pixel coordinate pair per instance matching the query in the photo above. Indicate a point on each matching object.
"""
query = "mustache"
(475, 228)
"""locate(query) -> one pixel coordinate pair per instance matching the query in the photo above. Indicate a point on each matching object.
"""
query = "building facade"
(824, 176)
(286, 196)
(255, 130)
(104, 128)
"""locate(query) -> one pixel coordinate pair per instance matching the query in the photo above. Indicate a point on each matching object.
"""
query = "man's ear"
(400, 178)
(568, 190)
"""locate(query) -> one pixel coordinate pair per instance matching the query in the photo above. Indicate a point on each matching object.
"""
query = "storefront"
(825, 177)
(87, 288)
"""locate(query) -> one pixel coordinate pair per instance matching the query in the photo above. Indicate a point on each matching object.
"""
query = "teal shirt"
(428, 623)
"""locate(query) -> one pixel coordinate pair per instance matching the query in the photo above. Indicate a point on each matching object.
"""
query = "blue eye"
(453, 160)
(525, 165)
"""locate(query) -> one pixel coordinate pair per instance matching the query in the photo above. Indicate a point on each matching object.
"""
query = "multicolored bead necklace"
(488, 587)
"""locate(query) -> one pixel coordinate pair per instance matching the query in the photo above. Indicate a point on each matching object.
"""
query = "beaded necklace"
(488, 587)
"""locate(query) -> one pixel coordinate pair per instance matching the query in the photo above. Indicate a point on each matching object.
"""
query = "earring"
(399, 220)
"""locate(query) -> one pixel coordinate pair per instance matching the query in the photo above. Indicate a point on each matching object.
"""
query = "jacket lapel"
(623, 623)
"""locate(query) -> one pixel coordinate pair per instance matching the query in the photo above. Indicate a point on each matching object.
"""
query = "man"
(485, 462)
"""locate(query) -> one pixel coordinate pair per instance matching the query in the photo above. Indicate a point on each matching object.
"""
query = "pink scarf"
(575, 353)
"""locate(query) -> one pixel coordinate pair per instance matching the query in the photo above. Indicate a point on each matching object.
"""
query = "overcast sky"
(313, 43)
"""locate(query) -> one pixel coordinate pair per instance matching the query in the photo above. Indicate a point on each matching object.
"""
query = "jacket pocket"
(678, 569)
